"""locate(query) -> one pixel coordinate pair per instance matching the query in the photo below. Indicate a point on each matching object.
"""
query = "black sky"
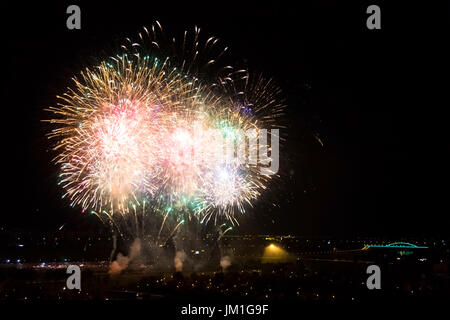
(368, 95)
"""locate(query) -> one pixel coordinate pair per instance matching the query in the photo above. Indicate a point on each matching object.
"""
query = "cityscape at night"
(242, 160)
(258, 267)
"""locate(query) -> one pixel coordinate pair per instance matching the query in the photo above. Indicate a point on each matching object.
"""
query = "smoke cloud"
(180, 256)
(122, 262)
(225, 262)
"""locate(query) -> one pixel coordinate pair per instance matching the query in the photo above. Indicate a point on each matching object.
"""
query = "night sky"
(369, 95)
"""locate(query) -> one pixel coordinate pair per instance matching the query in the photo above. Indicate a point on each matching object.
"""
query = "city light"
(274, 253)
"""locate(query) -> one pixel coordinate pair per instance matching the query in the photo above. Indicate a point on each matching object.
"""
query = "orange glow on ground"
(274, 254)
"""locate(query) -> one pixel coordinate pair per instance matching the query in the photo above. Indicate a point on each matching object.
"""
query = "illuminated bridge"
(396, 245)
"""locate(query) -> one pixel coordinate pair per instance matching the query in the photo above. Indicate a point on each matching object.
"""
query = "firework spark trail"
(144, 128)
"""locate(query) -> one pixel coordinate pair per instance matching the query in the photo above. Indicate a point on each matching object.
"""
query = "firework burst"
(141, 129)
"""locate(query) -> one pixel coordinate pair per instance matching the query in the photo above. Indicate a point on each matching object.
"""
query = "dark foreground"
(307, 279)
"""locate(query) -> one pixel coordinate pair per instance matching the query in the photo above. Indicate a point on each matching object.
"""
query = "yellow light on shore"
(274, 253)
